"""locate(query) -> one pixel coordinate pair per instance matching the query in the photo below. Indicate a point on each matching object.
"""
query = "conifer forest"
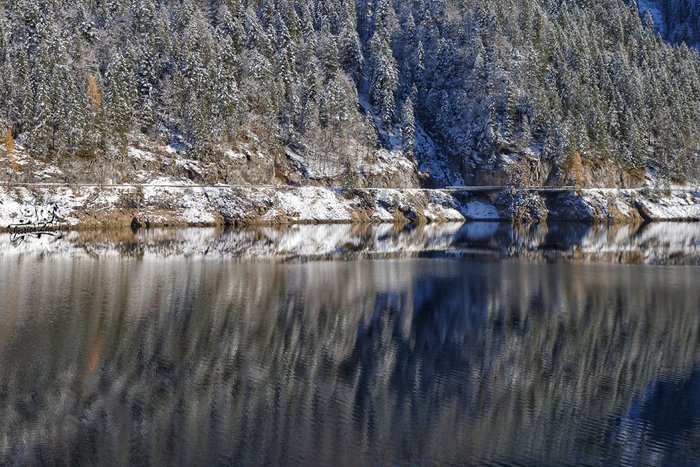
(537, 82)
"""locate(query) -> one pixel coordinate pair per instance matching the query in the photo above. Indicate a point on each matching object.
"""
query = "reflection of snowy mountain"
(333, 362)
(656, 243)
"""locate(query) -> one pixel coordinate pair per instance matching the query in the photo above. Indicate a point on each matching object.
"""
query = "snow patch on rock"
(141, 155)
(679, 205)
(310, 204)
(480, 210)
(235, 156)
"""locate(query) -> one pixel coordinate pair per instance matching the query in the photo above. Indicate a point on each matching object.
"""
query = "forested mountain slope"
(477, 91)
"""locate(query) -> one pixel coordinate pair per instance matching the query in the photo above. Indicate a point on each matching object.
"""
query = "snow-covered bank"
(164, 203)
(625, 205)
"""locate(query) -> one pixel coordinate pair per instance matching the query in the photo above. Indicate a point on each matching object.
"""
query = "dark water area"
(184, 348)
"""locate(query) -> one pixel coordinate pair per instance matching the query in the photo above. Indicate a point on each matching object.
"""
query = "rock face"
(595, 206)
(522, 207)
(166, 204)
(530, 169)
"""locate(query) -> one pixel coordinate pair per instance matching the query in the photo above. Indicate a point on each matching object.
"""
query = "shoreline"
(169, 205)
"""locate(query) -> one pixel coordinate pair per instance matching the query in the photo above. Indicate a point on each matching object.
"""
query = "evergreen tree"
(383, 78)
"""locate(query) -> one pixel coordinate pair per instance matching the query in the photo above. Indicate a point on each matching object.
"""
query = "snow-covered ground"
(677, 205)
(482, 211)
(166, 201)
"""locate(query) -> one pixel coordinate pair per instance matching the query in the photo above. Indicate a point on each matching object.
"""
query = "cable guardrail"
(465, 188)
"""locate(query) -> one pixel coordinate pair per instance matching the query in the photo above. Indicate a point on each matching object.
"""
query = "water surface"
(509, 348)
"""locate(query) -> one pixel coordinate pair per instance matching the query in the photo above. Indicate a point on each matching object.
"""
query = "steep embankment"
(168, 189)
(163, 204)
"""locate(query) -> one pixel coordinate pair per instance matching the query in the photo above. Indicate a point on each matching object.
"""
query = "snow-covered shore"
(167, 189)
(163, 203)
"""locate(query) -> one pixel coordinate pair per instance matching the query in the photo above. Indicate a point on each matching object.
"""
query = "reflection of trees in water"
(660, 243)
(671, 412)
(202, 361)
(528, 355)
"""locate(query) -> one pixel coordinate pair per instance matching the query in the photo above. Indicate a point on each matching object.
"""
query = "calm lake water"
(340, 345)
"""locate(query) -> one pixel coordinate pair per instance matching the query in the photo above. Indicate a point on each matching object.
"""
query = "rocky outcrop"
(521, 206)
(672, 206)
(595, 206)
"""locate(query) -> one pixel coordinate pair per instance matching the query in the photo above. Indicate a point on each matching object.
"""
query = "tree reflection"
(422, 361)
(660, 243)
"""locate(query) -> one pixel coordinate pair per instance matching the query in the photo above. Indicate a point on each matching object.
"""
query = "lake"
(352, 345)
